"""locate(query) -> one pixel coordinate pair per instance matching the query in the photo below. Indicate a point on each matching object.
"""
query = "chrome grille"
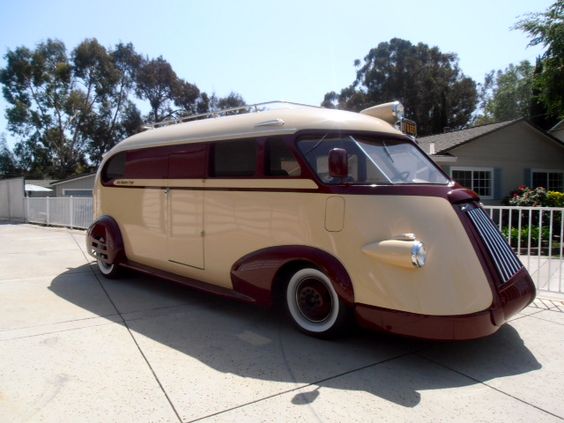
(504, 258)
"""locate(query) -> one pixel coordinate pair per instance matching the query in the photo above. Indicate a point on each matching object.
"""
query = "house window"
(479, 180)
(551, 180)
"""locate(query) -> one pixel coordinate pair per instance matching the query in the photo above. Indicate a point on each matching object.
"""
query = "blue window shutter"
(497, 190)
(527, 177)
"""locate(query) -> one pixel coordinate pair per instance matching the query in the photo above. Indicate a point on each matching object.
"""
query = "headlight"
(403, 250)
(418, 254)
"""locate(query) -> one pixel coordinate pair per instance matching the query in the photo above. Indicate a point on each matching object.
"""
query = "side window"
(188, 162)
(234, 158)
(317, 155)
(114, 168)
(279, 159)
(149, 163)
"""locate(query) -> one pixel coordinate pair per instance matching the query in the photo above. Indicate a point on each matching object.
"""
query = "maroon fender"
(462, 195)
(104, 242)
(259, 274)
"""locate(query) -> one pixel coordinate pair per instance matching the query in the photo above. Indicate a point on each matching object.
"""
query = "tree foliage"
(68, 109)
(547, 29)
(429, 83)
(8, 163)
(64, 108)
(506, 95)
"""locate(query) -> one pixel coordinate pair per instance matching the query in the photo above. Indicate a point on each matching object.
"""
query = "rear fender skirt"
(104, 241)
(254, 274)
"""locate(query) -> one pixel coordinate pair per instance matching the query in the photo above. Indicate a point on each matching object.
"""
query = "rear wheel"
(313, 304)
(110, 271)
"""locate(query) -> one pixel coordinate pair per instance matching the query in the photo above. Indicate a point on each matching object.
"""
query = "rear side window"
(234, 158)
(114, 168)
(279, 159)
(150, 163)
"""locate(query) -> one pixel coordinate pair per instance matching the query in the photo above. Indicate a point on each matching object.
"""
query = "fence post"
(48, 210)
(71, 205)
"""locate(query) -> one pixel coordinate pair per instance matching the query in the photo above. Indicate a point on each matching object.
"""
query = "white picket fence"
(535, 233)
(72, 212)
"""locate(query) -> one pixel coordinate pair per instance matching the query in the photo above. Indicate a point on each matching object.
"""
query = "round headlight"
(418, 254)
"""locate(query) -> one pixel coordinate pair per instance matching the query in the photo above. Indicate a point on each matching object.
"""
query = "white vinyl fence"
(535, 234)
(73, 212)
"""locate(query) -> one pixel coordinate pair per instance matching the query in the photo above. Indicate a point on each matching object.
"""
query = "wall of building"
(64, 189)
(12, 199)
(512, 153)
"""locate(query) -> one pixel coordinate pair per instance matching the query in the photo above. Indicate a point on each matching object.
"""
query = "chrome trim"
(273, 122)
(505, 260)
(418, 254)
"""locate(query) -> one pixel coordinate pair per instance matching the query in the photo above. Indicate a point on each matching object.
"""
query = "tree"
(116, 117)
(547, 29)
(67, 110)
(155, 83)
(8, 164)
(166, 93)
(429, 83)
(506, 95)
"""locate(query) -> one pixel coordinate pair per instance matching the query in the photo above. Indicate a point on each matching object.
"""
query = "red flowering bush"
(528, 197)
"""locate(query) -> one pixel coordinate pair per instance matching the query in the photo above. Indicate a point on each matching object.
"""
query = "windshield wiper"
(387, 151)
(316, 144)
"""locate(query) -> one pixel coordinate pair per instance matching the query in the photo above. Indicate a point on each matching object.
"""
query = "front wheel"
(110, 271)
(313, 304)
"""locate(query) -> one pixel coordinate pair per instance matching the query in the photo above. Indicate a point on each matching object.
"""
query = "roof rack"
(248, 108)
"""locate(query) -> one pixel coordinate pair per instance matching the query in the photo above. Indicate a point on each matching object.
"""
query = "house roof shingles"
(449, 140)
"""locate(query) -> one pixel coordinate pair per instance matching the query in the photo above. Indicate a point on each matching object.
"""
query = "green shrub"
(555, 199)
(524, 235)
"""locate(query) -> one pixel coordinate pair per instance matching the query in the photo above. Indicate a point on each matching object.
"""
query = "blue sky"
(284, 50)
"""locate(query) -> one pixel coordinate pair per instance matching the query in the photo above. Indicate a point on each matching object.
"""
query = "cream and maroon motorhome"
(335, 214)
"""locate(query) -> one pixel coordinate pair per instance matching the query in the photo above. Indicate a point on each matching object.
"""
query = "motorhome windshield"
(372, 160)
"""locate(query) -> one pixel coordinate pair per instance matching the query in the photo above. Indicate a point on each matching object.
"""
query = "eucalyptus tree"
(67, 109)
(429, 83)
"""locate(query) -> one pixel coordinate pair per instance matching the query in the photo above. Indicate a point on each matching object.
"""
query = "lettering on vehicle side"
(124, 182)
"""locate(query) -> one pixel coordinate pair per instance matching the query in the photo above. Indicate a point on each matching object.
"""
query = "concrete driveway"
(76, 347)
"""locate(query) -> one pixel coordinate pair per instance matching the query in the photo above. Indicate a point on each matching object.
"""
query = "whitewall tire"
(110, 271)
(313, 304)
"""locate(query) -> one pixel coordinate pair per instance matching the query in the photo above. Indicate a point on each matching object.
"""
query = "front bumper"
(512, 297)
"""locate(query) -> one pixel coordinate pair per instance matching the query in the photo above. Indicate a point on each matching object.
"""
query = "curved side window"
(114, 168)
(279, 159)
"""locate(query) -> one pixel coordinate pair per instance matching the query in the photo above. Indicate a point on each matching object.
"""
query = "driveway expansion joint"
(490, 386)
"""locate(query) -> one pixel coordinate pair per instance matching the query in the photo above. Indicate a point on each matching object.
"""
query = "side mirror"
(338, 163)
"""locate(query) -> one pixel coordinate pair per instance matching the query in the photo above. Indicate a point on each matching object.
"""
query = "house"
(77, 186)
(557, 131)
(39, 188)
(495, 159)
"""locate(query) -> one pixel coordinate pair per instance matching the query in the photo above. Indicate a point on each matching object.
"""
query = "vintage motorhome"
(337, 215)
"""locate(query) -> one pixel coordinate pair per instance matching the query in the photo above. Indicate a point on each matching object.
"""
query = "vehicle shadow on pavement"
(235, 342)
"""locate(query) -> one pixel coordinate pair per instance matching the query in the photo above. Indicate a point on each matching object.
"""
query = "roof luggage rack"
(248, 108)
